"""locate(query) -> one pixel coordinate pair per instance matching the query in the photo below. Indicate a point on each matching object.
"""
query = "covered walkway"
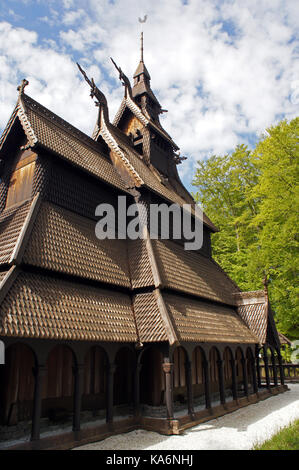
(239, 430)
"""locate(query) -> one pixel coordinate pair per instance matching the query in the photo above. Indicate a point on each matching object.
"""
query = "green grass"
(285, 439)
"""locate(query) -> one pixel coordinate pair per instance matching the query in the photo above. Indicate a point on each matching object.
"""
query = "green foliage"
(253, 198)
(285, 439)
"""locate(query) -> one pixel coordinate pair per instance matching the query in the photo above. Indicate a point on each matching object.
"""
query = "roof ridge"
(107, 134)
(24, 234)
(62, 123)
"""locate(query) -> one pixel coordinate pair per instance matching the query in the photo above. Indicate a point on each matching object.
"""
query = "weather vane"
(142, 20)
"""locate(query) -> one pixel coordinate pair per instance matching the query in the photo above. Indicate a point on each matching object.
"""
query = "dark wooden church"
(104, 336)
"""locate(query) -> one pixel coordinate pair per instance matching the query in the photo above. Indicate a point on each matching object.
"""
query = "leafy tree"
(252, 196)
(277, 158)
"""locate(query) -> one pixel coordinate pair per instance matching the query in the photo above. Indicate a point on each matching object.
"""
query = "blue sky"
(225, 70)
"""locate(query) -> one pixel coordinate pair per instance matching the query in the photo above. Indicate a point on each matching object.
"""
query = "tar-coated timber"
(234, 379)
(188, 371)
(245, 376)
(168, 371)
(253, 374)
(110, 384)
(79, 376)
(266, 367)
(274, 368)
(258, 369)
(281, 369)
(39, 374)
(137, 389)
(205, 365)
(221, 381)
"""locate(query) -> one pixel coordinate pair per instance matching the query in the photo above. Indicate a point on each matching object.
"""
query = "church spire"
(141, 71)
(141, 91)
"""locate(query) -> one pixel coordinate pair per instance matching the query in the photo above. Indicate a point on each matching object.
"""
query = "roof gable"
(47, 130)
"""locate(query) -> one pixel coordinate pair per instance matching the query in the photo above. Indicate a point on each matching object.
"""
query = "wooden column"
(266, 367)
(253, 373)
(39, 374)
(274, 369)
(258, 370)
(137, 389)
(234, 379)
(188, 368)
(280, 368)
(109, 393)
(168, 369)
(221, 381)
(79, 376)
(205, 365)
(245, 376)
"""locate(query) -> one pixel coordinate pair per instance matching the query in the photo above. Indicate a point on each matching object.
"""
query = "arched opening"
(58, 387)
(123, 391)
(17, 384)
(179, 375)
(198, 379)
(152, 380)
(94, 397)
(227, 371)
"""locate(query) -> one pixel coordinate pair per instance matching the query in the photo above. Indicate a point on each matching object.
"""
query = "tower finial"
(141, 40)
(141, 36)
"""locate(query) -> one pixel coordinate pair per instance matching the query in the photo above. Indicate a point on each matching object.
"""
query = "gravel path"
(235, 431)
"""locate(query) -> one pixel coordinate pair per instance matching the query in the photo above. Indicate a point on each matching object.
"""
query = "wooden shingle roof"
(69, 245)
(199, 321)
(44, 128)
(192, 273)
(39, 306)
(12, 221)
(255, 310)
(150, 324)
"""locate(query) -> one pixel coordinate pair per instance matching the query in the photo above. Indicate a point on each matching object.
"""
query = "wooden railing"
(291, 372)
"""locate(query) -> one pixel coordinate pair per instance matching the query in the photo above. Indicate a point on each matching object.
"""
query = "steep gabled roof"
(44, 128)
(141, 173)
(199, 321)
(190, 320)
(129, 103)
(38, 306)
(254, 308)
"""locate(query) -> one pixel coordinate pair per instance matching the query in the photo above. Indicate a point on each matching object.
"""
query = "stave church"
(104, 336)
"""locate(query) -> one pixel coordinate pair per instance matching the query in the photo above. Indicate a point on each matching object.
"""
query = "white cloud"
(73, 16)
(224, 70)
